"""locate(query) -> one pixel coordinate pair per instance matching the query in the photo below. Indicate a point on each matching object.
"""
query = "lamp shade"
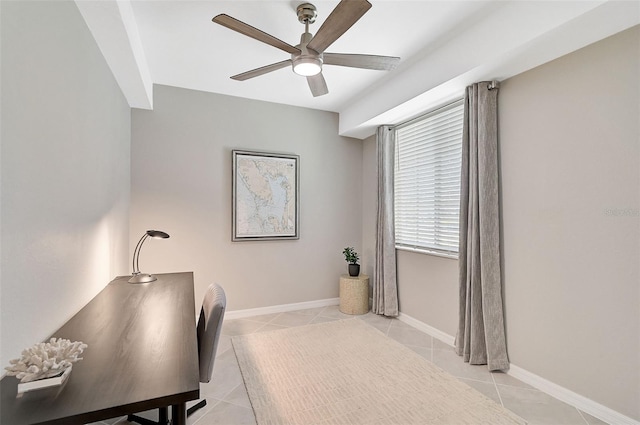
(158, 234)
(136, 276)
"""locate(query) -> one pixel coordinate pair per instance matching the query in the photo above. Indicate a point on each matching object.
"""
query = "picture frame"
(265, 196)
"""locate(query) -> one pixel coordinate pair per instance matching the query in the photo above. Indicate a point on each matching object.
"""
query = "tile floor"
(228, 403)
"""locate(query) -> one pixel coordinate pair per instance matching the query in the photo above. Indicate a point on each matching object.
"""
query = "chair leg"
(197, 406)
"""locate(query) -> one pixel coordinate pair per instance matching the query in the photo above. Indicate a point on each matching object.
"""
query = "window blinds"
(427, 180)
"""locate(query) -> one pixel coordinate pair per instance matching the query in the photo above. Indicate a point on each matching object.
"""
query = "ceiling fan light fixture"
(307, 67)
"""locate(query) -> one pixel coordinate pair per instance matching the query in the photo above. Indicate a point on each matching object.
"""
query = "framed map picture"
(265, 196)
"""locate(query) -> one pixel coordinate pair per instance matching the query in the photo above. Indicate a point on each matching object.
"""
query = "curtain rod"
(494, 84)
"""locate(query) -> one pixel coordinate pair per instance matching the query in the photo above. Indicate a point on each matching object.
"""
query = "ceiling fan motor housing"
(308, 62)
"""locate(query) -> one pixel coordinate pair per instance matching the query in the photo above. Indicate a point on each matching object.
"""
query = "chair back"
(209, 326)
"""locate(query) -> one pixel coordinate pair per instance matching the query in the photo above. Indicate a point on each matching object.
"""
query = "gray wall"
(570, 146)
(181, 183)
(570, 161)
(65, 171)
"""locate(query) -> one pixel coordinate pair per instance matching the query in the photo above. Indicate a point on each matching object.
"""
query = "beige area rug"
(347, 372)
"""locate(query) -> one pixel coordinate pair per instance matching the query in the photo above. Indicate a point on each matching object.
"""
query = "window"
(427, 181)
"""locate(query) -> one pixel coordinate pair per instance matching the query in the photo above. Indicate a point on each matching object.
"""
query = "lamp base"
(142, 278)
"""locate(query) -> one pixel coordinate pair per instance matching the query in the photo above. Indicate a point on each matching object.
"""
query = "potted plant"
(351, 256)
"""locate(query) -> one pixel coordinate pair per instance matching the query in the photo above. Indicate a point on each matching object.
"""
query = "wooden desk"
(142, 354)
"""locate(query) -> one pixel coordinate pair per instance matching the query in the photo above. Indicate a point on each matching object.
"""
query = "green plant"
(350, 255)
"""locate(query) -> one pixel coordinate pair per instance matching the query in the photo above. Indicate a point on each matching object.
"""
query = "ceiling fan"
(308, 57)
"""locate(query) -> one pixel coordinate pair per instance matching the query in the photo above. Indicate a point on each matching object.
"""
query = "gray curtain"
(385, 290)
(481, 337)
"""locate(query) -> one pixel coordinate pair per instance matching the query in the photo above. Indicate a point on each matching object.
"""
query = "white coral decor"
(45, 359)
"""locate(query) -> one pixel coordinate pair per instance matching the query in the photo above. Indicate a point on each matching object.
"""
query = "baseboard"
(282, 308)
(429, 330)
(585, 404)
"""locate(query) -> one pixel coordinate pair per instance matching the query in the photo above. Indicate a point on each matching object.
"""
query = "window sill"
(452, 256)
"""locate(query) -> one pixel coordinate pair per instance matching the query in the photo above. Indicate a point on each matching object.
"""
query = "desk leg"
(179, 414)
(163, 415)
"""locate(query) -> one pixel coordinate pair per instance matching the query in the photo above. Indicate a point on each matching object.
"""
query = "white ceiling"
(443, 45)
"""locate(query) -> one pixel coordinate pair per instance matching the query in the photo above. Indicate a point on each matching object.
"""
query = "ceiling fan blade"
(381, 63)
(255, 33)
(262, 70)
(346, 13)
(318, 85)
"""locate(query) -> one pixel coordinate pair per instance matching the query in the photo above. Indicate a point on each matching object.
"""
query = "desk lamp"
(136, 276)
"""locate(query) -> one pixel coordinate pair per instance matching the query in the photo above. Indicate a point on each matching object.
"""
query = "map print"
(265, 196)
